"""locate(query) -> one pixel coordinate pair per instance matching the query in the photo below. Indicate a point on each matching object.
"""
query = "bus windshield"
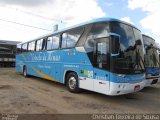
(131, 54)
(152, 55)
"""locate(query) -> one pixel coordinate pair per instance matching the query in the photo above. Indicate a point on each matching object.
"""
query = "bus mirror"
(115, 45)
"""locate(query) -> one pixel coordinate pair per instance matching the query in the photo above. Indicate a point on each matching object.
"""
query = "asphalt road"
(19, 95)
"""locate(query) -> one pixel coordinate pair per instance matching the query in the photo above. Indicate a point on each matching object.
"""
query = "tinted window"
(53, 42)
(152, 54)
(148, 41)
(70, 38)
(131, 54)
(126, 34)
(98, 30)
(115, 44)
(18, 48)
(24, 47)
(40, 45)
(31, 46)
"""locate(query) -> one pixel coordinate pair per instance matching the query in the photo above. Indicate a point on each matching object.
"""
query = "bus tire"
(25, 71)
(72, 82)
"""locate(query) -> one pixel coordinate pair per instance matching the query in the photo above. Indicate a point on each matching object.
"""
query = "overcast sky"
(22, 20)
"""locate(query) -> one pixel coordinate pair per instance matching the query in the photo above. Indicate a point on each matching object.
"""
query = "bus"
(103, 55)
(151, 61)
(158, 48)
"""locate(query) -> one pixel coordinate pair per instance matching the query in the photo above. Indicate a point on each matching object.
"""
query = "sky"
(22, 20)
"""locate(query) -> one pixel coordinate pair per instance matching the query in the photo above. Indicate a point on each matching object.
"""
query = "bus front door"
(101, 64)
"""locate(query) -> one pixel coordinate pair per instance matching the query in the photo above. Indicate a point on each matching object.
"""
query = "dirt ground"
(19, 95)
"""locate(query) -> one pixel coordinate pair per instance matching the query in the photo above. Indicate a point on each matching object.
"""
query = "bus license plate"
(137, 88)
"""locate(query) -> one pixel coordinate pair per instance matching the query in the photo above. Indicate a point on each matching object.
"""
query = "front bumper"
(125, 88)
(150, 82)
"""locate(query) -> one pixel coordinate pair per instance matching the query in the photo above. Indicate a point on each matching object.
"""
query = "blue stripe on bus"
(63, 61)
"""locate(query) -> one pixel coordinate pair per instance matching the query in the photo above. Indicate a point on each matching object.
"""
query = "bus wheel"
(72, 82)
(25, 71)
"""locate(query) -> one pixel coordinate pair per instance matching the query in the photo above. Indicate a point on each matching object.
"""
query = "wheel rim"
(72, 82)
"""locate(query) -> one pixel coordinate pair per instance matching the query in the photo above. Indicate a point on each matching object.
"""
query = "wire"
(13, 22)
(40, 16)
(34, 14)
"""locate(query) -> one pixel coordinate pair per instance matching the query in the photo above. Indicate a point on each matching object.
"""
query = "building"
(7, 53)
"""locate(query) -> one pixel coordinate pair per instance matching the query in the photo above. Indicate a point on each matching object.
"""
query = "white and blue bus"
(103, 55)
(151, 61)
(158, 46)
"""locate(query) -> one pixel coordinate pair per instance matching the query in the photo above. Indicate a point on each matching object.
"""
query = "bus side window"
(53, 42)
(31, 46)
(43, 44)
(24, 47)
(70, 38)
(49, 43)
(64, 40)
(40, 45)
(99, 30)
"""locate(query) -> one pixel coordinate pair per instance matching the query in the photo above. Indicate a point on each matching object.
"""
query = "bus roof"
(86, 23)
(95, 21)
